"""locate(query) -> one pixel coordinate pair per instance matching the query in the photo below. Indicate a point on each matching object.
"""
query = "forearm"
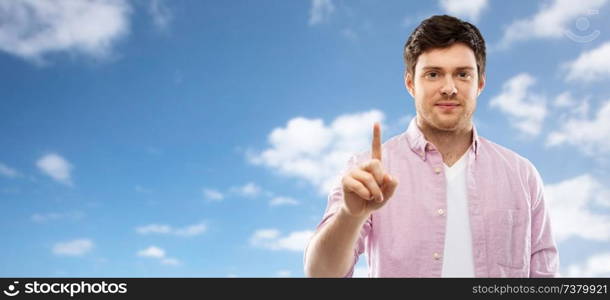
(331, 250)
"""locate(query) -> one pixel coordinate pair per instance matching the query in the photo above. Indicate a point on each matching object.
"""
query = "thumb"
(389, 186)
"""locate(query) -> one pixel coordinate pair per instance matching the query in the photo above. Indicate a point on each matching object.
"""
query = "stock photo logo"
(67, 288)
(12, 291)
(583, 24)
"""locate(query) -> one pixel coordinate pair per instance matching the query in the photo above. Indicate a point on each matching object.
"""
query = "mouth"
(447, 103)
(447, 106)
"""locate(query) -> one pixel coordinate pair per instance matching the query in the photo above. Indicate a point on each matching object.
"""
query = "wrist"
(345, 215)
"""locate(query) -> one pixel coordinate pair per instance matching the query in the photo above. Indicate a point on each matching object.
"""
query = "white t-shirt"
(457, 257)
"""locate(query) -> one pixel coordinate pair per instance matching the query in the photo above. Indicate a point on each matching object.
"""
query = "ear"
(409, 84)
(481, 85)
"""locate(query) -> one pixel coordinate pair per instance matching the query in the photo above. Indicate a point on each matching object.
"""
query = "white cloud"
(212, 195)
(157, 253)
(551, 21)
(283, 273)
(271, 239)
(310, 150)
(467, 9)
(8, 172)
(572, 203)
(53, 216)
(187, 231)
(320, 11)
(76, 247)
(154, 228)
(590, 66)
(31, 29)
(170, 261)
(568, 107)
(592, 136)
(596, 266)
(152, 252)
(250, 189)
(56, 167)
(526, 111)
(564, 99)
(277, 201)
(192, 230)
(160, 13)
(265, 234)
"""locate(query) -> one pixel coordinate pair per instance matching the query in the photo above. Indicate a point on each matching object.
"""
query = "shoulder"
(501, 156)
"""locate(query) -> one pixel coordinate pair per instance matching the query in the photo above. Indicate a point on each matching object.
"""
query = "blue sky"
(199, 138)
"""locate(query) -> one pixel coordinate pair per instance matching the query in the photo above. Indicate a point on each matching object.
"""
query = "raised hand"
(368, 187)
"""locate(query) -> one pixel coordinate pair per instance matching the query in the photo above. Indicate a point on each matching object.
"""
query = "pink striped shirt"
(509, 221)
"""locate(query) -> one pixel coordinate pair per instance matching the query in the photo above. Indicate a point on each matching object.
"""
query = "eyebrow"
(439, 68)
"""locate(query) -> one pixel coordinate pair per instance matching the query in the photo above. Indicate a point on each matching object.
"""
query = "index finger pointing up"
(376, 152)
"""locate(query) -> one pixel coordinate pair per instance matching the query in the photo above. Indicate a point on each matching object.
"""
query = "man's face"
(445, 86)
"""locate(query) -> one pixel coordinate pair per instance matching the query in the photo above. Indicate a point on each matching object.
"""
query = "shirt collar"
(418, 143)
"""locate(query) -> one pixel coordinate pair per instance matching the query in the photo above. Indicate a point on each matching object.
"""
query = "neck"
(451, 144)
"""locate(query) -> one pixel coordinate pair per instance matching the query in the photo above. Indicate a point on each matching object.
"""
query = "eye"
(464, 75)
(431, 75)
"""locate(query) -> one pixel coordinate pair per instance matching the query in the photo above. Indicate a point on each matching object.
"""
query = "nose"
(448, 89)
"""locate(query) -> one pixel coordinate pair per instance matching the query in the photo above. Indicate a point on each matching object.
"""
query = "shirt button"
(441, 212)
(436, 256)
(437, 170)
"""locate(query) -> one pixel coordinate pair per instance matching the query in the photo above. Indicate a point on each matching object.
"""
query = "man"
(437, 200)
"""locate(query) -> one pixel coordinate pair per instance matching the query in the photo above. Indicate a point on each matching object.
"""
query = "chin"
(447, 125)
(443, 122)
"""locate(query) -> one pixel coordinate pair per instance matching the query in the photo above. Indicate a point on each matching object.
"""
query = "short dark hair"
(440, 32)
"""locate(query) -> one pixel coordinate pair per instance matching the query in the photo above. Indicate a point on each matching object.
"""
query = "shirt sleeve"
(544, 257)
(334, 203)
